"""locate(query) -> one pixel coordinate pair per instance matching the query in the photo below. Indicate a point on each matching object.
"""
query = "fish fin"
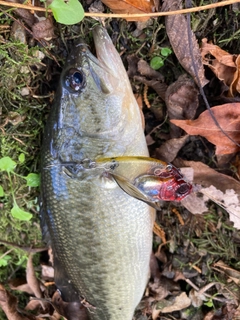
(61, 278)
(43, 223)
(134, 192)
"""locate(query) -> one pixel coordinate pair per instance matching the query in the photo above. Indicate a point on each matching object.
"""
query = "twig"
(135, 15)
(28, 249)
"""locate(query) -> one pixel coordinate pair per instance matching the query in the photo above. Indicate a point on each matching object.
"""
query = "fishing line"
(189, 5)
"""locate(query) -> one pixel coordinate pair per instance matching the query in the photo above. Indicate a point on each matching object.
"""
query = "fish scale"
(101, 237)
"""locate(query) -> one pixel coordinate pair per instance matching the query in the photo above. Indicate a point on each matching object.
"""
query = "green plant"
(32, 180)
(67, 12)
(158, 61)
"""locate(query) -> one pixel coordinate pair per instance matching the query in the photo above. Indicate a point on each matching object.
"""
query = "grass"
(21, 128)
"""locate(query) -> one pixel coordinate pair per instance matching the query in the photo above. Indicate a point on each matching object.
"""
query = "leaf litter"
(193, 249)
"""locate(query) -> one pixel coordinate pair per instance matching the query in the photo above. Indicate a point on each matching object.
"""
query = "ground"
(196, 256)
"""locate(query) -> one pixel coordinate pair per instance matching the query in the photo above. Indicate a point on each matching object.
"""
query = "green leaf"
(4, 261)
(1, 191)
(156, 63)
(33, 180)
(20, 214)
(21, 158)
(22, 260)
(209, 303)
(7, 164)
(166, 52)
(67, 12)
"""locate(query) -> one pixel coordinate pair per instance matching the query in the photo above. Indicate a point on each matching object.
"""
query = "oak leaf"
(177, 31)
(228, 117)
(131, 6)
(226, 66)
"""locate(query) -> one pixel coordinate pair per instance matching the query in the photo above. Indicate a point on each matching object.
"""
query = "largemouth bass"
(101, 237)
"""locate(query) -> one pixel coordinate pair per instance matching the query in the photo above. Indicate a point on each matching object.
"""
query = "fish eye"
(75, 80)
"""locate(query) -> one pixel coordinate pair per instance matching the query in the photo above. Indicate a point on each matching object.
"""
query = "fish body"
(101, 237)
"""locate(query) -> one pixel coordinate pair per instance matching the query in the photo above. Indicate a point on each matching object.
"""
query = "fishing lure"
(144, 178)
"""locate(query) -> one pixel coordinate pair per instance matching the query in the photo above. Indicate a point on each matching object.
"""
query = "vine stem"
(134, 15)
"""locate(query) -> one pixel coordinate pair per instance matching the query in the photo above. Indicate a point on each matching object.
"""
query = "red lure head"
(166, 184)
(174, 188)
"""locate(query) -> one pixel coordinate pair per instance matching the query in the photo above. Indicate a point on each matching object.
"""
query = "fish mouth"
(106, 52)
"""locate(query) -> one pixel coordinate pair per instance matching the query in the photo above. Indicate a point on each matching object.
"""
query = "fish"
(101, 236)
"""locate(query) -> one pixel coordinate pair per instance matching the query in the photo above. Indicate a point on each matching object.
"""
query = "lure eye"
(183, 189)
(75, 80)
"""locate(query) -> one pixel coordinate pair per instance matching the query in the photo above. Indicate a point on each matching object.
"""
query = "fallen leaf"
(177, 31)
(15, 118)
(222, 189)
(33, 281)
(182, 102)
(154, 267)
(169, 149)
(158, 86)
(226, 66)
(33, 305)
(130, 7)
(20, 285)
(228, 117)
(180, 302)
(18, 32)
(196, 298)
(206, 176)
(194, 204)
(142, 72)
(70, 310)
(24, 14)
(44, 29)
(47, 272)
(228, 270)
(9, 304)
(145, 70)
(228, 201)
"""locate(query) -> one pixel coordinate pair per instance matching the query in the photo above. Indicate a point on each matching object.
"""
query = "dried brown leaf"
(20, 285)
(131, 6)
(235, 85)
(18, 32)
(209, 315)
(207, 176)
(169, 149)
(47, 272)
(228, 270)
(145, 70)
(182, 102)
(196, 298)
(43, 29)
(8, 303)
(33, 282)
(159, 288)
(154, 267)
(33, 305)
(157, 85)
(25, 14)
(180, 302)
(228, 117)
(226, 66)
(177, 31)
(70, 310)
